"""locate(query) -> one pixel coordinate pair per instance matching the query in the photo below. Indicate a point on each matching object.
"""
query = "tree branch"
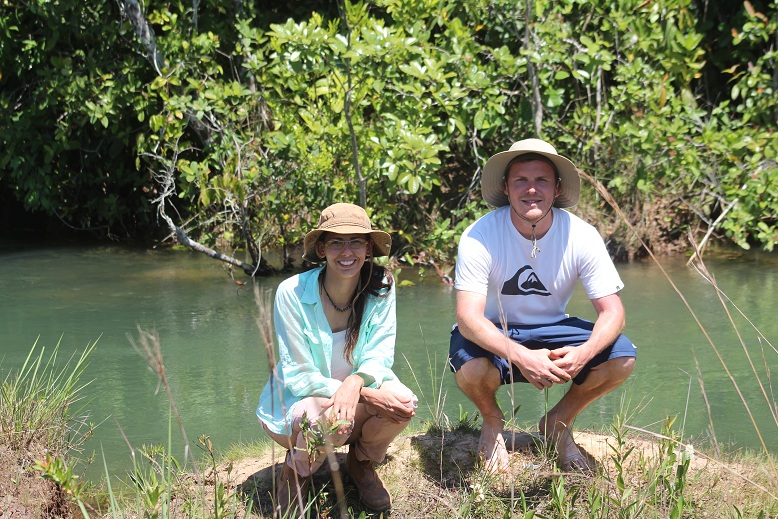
(144, 33)
(536, 101)
(183, 239)
(361, 182)
(167, 188)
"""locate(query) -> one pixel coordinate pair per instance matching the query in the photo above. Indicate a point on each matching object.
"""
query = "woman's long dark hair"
(374, 280)
(377, 281)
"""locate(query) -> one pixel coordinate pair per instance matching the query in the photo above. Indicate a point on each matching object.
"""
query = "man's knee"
(614, 371)
(478, 373)
(623, 366)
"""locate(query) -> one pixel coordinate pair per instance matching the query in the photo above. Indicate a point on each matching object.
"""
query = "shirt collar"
(311, 292)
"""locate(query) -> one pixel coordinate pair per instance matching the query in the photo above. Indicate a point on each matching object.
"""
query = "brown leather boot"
(371, 489)
(286, 502)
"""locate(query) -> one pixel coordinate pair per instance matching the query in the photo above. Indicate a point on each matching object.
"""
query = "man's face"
(531, 188)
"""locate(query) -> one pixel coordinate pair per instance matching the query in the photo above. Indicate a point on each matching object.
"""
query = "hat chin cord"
(534, 238)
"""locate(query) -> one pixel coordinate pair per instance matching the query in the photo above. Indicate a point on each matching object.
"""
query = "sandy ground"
(432, 474)
(434, 471)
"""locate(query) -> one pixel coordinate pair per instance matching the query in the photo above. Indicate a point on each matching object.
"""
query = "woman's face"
(345, 253)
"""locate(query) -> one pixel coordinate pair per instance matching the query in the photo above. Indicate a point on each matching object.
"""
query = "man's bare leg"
(557, 424)
(479, 380)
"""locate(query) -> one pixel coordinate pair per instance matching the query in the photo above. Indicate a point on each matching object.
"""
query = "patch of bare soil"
(24, 494)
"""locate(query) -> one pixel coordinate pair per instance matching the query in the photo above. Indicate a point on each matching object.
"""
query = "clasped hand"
(572, 359)
(543, 368)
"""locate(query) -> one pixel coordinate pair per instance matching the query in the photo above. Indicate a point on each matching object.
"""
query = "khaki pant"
(370, 433)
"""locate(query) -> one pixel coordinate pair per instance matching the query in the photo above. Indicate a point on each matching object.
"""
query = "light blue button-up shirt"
(305, 348)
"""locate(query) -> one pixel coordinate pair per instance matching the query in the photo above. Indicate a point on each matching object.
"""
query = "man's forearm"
(607, 329)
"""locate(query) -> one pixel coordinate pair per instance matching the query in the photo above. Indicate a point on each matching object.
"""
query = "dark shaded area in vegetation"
(234, 123)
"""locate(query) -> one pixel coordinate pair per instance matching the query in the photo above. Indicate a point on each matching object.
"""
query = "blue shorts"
(567, 332)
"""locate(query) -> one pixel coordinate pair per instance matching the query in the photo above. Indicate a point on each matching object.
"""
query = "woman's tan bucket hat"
(493, 177)
(345, 219)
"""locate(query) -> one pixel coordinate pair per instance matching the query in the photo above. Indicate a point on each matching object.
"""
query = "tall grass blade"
(36, 403)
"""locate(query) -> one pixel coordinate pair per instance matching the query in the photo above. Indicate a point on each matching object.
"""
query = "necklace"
(533, 238)
(336, 307)
(535, 248)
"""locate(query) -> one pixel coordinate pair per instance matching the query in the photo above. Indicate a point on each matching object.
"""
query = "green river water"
(216, 362)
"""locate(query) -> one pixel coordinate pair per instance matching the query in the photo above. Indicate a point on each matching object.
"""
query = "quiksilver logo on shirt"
(524, 283)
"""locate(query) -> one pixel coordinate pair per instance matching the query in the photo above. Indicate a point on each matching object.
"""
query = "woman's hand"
(389, 405)
(343, 404)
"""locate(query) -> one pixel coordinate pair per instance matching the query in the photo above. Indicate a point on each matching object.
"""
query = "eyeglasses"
(337, 245)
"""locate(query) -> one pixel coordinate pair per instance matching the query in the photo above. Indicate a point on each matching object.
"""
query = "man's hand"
(571, 359)
(538, 367)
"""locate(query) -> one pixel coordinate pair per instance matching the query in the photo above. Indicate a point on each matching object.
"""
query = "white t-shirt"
(494, 260)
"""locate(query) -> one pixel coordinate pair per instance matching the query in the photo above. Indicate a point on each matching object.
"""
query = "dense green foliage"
(238, 120)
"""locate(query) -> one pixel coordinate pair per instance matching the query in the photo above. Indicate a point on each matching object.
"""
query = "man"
(516, 270)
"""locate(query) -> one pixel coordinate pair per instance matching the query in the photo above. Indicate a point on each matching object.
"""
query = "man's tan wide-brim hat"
(493, 177)
(346, 219)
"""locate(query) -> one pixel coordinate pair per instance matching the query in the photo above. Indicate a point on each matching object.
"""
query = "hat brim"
(493, 178)
(382, 242)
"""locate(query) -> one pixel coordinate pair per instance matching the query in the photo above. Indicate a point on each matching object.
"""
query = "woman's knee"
(309, 407)
(401, 391)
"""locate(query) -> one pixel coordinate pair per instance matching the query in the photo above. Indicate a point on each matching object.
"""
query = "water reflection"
(216, 362)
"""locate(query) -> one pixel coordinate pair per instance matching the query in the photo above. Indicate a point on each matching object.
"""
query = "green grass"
(37, 403)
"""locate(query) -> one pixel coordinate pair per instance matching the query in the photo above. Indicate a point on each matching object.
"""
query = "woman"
(335, 327)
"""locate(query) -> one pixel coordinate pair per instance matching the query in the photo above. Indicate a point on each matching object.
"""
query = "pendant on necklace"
(535, 248)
